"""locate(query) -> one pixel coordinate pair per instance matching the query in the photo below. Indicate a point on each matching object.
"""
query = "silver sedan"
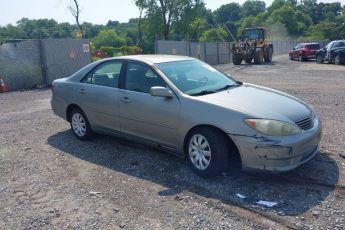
(190, 109)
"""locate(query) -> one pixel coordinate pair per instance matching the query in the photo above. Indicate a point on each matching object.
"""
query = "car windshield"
(254, 34)
(194, 77)
(328, 46)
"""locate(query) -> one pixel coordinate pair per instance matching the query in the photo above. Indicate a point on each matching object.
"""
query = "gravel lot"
(51, 180)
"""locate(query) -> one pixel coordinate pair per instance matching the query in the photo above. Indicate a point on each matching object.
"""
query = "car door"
(98, 95)
(143, 115)
(297, 51)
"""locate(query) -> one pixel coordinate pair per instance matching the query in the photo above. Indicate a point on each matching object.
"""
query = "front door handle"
(82, 91)
(125, 100)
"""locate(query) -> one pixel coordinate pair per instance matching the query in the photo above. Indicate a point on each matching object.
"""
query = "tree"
(286, 15)
(228, 12)
(169, 11)
(253, 8)
(75, 11)
(108, 37)
(111, 23)
(214, 35)
(191, 23)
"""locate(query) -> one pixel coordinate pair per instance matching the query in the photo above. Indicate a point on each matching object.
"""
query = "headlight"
(273, 127)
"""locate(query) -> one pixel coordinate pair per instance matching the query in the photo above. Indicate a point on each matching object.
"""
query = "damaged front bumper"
(271, 153)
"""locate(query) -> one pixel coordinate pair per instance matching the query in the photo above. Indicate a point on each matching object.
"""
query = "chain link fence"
(25, 64)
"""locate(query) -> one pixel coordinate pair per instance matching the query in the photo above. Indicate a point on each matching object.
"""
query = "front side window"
(141, 78)
(105, 75)
(195, 77)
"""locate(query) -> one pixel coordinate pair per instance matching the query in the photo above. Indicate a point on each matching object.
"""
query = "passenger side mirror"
(293, 48)
(159, 91)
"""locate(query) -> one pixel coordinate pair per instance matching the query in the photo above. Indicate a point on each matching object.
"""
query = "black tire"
(258, 56)
(80, 125)
(300, 58)
(268, 54)
(290, 57)
(337, 60)
(219, 152)
(319, 59)
(248, 60)
(236, 59)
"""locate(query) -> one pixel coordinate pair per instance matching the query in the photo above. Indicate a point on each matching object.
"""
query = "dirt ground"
(51, 180)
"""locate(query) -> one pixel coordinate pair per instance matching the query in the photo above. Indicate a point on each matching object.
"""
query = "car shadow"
(295, 192)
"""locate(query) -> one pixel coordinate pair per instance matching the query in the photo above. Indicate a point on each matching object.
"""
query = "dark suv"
(304, 51)
(333, 52)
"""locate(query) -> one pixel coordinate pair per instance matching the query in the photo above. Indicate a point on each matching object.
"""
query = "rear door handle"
(82, 91)
(125, 100)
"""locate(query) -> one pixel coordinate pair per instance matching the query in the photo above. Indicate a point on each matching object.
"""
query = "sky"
(96, 12)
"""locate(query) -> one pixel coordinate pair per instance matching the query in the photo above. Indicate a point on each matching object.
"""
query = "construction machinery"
(254, 46)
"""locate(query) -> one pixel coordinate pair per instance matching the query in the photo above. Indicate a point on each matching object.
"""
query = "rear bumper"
(278, 154)
(58, 107)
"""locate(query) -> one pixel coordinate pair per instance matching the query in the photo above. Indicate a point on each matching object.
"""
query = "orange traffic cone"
(3, 87)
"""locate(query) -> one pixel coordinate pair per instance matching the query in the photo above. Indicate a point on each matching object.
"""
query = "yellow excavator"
(254, 46)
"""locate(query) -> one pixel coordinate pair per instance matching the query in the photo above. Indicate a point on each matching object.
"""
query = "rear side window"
(105, 75)
(313, 46)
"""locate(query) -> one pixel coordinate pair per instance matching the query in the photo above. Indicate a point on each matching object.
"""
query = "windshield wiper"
(226, 87)
(204, 92)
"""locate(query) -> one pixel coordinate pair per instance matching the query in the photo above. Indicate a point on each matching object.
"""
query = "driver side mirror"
(293, 48)
(159, 91)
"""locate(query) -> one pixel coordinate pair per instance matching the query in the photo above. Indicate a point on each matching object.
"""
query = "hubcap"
(199, 152)
(78, 124)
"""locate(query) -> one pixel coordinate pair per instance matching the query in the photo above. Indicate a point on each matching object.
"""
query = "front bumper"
(261, 152)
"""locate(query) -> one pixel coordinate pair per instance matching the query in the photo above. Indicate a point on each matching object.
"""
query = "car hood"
(260, 102)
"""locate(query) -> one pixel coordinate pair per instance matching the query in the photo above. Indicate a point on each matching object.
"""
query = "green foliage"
(214, 35)
(108, 37)
(129, 50)
(228, 12)
(253, 8)
(325, 30)
(107, 50)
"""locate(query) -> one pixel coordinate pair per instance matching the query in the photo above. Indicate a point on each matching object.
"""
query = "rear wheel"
(236, 59)
(268, 54)
(319, 59)
(258, 56)
(290, 57)
(337, 60)
(80, 124)
(208, 152)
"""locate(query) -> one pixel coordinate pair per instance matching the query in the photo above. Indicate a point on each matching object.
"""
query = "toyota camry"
(190, 109)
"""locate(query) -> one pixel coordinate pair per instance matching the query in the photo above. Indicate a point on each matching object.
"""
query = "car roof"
(155, 58)
(310, 43)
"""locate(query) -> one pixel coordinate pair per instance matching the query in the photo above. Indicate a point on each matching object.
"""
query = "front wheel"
(80, 125)
(319, 59)
(208, 152)
(337, 60)
(300, 58)
(236, 59)
(258, 56)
